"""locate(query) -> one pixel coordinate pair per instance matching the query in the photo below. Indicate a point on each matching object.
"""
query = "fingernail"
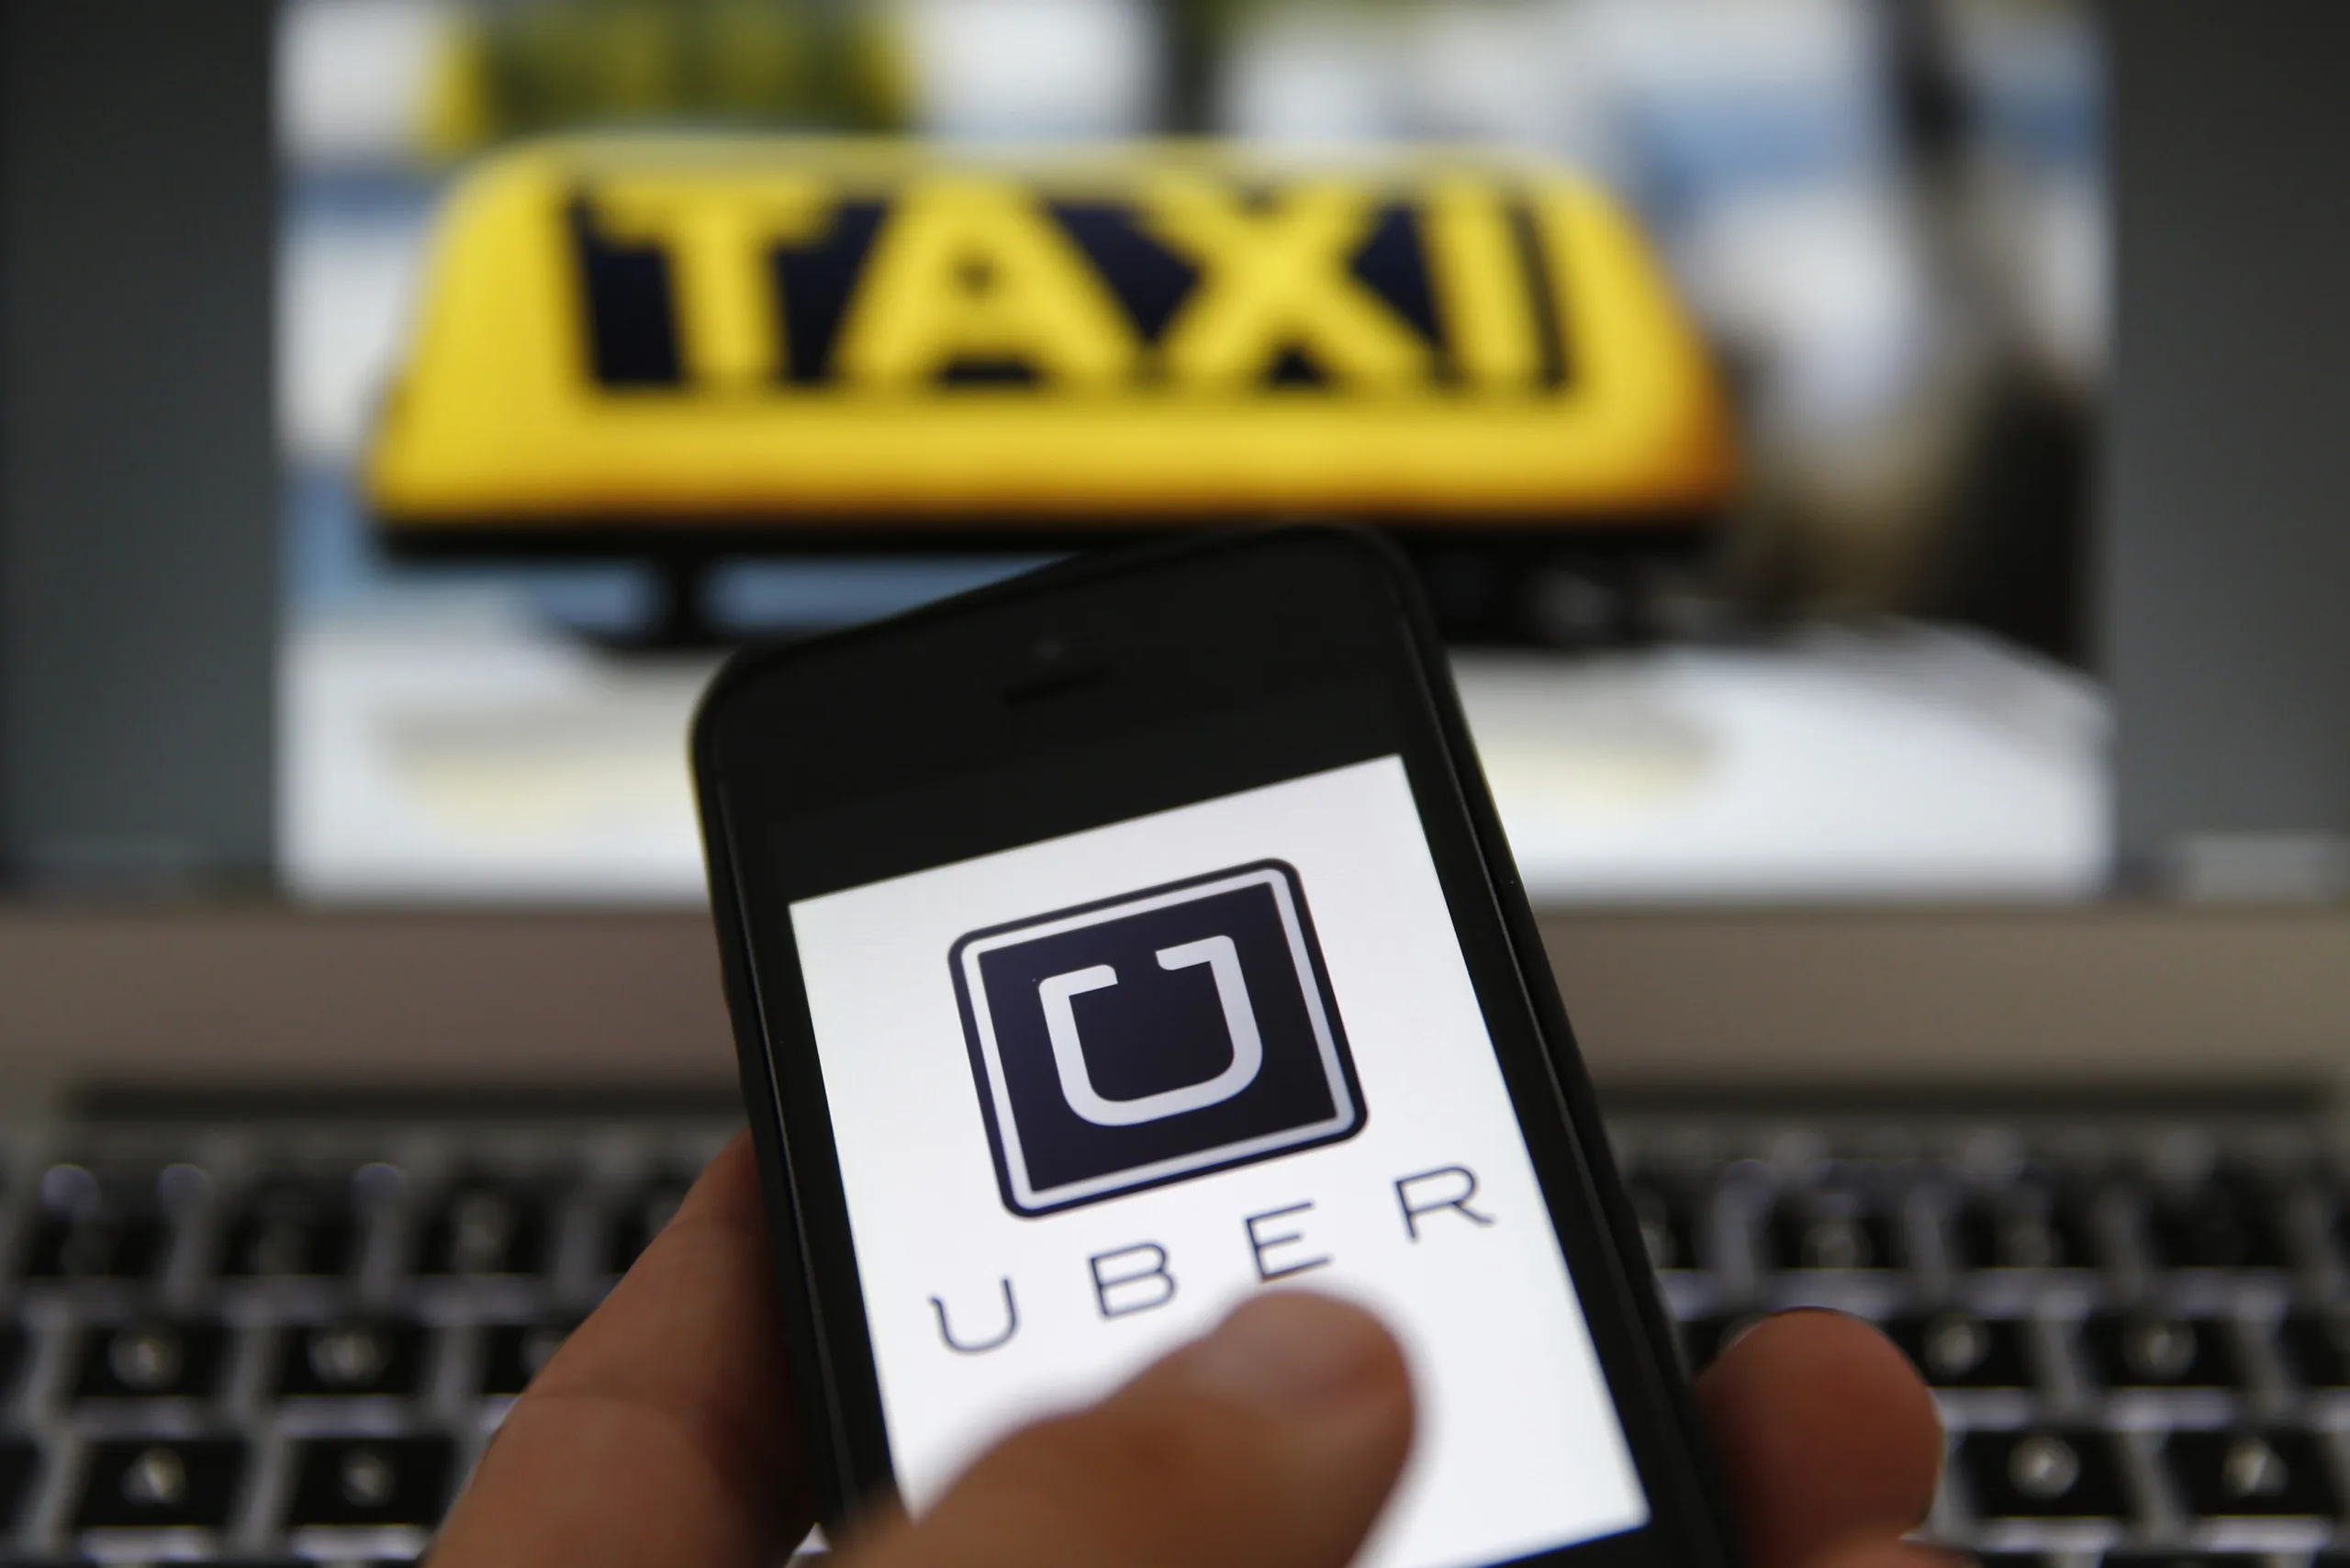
(1291, 1352)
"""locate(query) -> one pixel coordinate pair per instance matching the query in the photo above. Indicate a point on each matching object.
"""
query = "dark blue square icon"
(1154, 1037)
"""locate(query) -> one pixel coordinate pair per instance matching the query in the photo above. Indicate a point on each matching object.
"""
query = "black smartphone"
(1120, 940)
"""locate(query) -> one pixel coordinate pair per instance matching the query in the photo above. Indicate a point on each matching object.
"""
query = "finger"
(1825, 1435)
(1891, 1555)
(1272, 1443)
(661, 1433)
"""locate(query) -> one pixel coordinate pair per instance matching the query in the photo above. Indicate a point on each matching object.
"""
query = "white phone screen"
(1090, 1093)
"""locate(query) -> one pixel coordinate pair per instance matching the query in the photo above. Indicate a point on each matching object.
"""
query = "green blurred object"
(541, 65)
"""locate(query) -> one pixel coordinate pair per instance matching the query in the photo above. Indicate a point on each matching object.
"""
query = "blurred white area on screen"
(346, 290)
(352, 79)
(1830, 280)
(1513, 71)
(455, 752)
(1907, 763)
(1033, 68)
(470, 754)
(2037, 74)
(1313, 73)
(1760, 131)
(1736, 49)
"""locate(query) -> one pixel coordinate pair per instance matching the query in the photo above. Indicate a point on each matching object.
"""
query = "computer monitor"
(1807, 168)
(1909, 436)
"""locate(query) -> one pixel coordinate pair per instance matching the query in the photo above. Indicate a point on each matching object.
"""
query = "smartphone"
(1121, 940)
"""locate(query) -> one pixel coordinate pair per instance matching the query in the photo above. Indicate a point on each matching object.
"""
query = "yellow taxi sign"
(755, 331)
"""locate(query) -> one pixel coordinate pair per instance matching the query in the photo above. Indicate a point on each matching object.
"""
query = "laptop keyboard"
(288, 1339)
(2136, 1327)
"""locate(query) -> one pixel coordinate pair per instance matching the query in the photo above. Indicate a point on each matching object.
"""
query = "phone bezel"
(902, 706)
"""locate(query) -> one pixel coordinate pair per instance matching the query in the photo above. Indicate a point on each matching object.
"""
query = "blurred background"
(1934, 789)
(1864, 679)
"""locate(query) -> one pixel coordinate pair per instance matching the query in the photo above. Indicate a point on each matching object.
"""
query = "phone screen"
(1090, 1091)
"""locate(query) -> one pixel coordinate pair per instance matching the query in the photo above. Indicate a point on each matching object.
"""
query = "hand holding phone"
(663, 1435)
(1113, 945)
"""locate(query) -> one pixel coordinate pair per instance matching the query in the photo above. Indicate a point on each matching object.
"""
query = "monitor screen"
(1816, 633)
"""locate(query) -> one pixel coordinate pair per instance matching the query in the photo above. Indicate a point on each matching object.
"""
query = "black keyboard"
(2137, 1328)
(287, 1340)
(282, 1339)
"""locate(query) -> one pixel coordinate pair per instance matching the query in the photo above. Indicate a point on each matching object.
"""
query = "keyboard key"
(2221, 1224)
(2024, 1227)
(2138, 1351)
(515, 1353)
(2049, 1473)
(1957, 1350)
(2188, 1560)
(371, 1481)
(104, 1247)
(487, 1229)
(18, 1461)
(96, 1228)
(294, 1226)
(633, 1229)
(13, 1345)
(353, 1360)
(187, 1484)
(154, 1358)
(1668, 1225)
(1833, 1233)
(2263, 1474)
(2316, 1347)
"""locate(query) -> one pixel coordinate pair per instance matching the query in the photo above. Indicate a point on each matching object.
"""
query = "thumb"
(1271, 1443)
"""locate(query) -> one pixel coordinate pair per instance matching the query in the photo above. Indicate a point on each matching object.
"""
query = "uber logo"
(1153, 1036)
